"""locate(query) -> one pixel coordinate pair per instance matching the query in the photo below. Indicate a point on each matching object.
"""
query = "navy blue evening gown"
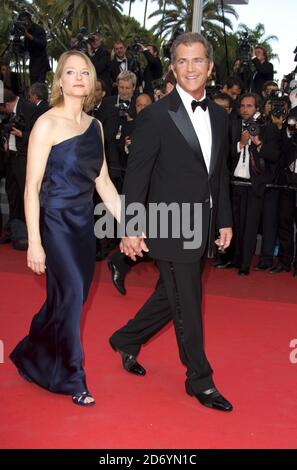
(51, 355)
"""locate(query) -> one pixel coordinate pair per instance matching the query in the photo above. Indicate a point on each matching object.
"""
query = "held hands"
(133, 246)
(36, 258)
(225, 239)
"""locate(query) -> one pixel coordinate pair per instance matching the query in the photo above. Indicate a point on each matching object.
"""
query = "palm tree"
(178, 14)
(256, 37)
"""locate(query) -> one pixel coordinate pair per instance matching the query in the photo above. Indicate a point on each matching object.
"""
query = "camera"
(82, 39)
(123, 109)
(17, 37)
(13, 121)
(245, 47)
(278, 107)
(254, 125)
(134, 46)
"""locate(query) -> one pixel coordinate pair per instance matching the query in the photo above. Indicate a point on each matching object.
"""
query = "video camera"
(82, 39)
(134, 46)
(17, 37)
(244, 48)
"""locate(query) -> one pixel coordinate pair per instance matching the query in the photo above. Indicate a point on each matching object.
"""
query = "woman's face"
(75, 78)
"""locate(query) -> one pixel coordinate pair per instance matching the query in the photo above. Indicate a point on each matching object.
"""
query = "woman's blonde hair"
(57, 97)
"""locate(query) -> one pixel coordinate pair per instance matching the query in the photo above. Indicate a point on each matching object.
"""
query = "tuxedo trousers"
(177, 297)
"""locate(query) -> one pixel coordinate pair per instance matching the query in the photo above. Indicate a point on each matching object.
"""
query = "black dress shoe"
(210, 398)
(244, 271)
(117, 278)
(225, 265)
(279, 268)
(5, 239)
(262, 267)
(129, 362)
(20, 245)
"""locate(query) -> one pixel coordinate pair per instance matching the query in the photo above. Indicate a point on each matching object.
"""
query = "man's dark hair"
(155, 49)
(264, 51)
(223, 96)
(103, 86)
(40, 90)
(233, 81)
(9, 96)
(25, 14)
(269, 83)
(251, 95)
(191, 38)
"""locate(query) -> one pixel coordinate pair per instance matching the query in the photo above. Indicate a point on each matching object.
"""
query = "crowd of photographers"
(263, 143)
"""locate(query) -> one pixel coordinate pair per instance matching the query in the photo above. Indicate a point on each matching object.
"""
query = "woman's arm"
(40, 144)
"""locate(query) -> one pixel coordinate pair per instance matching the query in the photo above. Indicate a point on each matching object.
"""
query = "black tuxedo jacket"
(42, 107)
(166, 165)
(115, 69)
(264, 73)
(267, 159)
(29, 112)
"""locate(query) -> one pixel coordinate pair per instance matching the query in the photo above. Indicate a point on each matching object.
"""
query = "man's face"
(259, 53)
(96, 41)
(125, 89)
(99, 93)
(247, 108)
(142, 102)
(8, 107)
(234, 91)
(269, 89)
(151, 50)
(26, 22)
(192, 68)
(120, 50)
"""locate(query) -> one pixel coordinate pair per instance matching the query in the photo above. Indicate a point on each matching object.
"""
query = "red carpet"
(247, 341)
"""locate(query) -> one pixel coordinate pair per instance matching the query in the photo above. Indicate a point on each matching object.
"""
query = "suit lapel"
(181, 119)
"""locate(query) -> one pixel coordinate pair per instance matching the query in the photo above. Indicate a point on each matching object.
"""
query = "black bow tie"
(202, 104)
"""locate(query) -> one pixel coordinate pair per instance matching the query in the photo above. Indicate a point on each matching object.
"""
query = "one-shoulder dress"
(51, 355)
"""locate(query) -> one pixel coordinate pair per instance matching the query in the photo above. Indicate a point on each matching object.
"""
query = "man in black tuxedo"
(100, 58)
(263, 69)
(178, 156)
(38, 95)
(17, 143)
(120, 63)
(36, 45)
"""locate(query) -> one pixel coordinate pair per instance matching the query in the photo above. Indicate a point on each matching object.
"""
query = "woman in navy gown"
(65, 163)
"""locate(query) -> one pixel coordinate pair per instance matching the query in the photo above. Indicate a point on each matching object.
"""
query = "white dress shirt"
(242, 169)
(201, 123)
(11, 140)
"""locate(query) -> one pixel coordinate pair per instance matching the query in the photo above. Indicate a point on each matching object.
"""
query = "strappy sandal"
(79, 399)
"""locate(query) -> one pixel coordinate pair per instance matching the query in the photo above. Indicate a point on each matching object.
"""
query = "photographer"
(36, 45)
(287, 205)
(255, 150)
(38, 95)
(263, 69)
(100, 58)
(153, 70)
(120, 63)
(22, 115)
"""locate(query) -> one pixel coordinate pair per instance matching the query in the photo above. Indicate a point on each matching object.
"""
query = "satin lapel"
(215, 133)
(181, 119)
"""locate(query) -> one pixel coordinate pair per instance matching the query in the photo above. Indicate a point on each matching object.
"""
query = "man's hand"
(133, 246)
(245, 137)
(225, 238)
(16, 132)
